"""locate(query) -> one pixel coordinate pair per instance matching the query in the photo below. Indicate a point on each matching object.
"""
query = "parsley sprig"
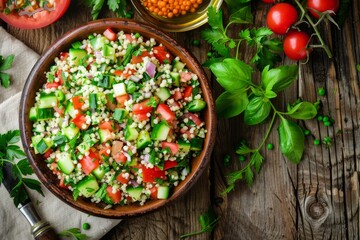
(9, 153)
(117, 6)
(5, 64)
(74, 233)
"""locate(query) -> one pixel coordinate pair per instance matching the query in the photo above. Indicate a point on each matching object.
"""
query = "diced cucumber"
(99, 172)
(92, 101)
(45, 113)
(196, 144)
(33, 114)
(130, 87)
(175, 77)
(105, 135)
(70, 110)
(160, 131)
(163, 93)
(59, 140)
(43, 145)
(35, 140)
(131, 133)
(88, 186)
(106, 82)
(196, 105)
(119, 89)
(109, 52)
(184, 146)
(83, 147)
(60, 95)
(47, 100)
(135, 192)
(119, 114)
(70, 131)
(178, 65)
(65, 163)
(76, 45)
(98, 42)
(76, 55)
(163, 192)
(143, 139)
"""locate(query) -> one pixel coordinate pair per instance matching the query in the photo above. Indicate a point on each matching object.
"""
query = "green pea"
(196, 42)
(316, 141)
(137, 35)
(327, 124)
(319, 118)
(242, 158)
(321, 92)
(270, 146)
(86, 226)
(307, 132)
(325, 119)
(209, 54)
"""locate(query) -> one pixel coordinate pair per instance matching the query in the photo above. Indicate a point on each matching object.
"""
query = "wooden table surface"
(317, 199)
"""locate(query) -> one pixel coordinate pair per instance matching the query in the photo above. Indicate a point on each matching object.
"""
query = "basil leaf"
(232, 74)
(257, 110)
(278, 79)
(7, 62)
(243, 15)
(303, 110)
(231, 104)
(291, 139)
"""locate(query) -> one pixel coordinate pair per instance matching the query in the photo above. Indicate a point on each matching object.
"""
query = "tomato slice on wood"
(89, 162)
(114, 196)
(162, 54)
(39, 19)
(150, 174)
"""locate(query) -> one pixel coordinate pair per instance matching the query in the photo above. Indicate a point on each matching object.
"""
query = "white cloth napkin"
(13, 226)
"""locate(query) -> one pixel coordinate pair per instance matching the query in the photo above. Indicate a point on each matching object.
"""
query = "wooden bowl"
(37, 78)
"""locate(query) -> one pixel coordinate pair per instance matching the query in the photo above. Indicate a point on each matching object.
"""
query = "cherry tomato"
(295, 45)
(322, 6)
(268, 1)
(39, 19)
(280, 17)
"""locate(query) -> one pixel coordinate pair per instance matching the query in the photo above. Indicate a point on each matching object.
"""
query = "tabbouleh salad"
(119, 119)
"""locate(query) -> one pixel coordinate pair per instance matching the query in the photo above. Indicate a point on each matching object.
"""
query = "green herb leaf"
(18, 194)
(249, 176)
(7, 62)
(231, 104)
(33, 184)
(113, 5)
(303, 110)
(235, 5)
(5, 79)
(14, 151)
(12, 137)
(278, 79)
(257, 161)
(24, 167)
(212, 36)
(243, 149)
(74, 233)
(291, 139)
(232, 74)
(215, 19)
(243, 15)
(257, 110)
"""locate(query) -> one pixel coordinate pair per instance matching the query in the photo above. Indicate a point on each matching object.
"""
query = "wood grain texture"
(318, 199)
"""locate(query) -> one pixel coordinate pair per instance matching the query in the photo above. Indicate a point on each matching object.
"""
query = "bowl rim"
(161, 37)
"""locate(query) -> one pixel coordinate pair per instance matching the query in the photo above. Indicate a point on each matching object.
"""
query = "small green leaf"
(221, 49)
(33, 184)
(24, 167)
(16, 171)
(18, 194)
(211, 35)
(215, 19)
(14, 151)
(13, 136)
(231, 104)
(74, 233)
(232, 74)
(235, 5)
(278, 79)
(303, 110)
(5, 79)
(245, 34)
(257, 110)
(113, 4)
(243, 149)
(257, 91)
(7, 62)
(249, 176)
(291, 139)
(270, 94)
(242, 16)
(257, 161)
(358, 67)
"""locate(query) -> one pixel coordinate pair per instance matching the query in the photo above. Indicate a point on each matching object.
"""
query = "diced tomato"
(104, 151)
(122, 99)
(54, 168)
(162, 54)
(109, 34)
(107, 125)
(193, 117)
(185, 76)
(64, 56)
(47, 153)
(60, 111)
(62, 184)
(174, 147)
(78, 102)
(120, 157)
(165, 112)
(115, 197)
(129, 37)
(79, 121)
(142, 117)
(142, 107)
(169, 165)
(121, 73)
(186, 132)
(177, 95)
(139, 59)
(153, 192)
(188, 91)
(150, 174)
(52, 85)
(59, 75)
(121, 179)
(89, 162)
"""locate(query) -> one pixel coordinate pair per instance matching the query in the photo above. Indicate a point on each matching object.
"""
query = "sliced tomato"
(79, 121)
(150, 174)
(162, 54)
(52, 85)
(185, 76)
(169, 165)
(139, 59)
(177, 95)
(59, 75)
(89, 162)
(193, 117)
(115, 197)
(165, 112)
(142, 117)
(122, 99)
(174, 147)
(188, 91)
(60, 111)
(142, 107)
(109, 125)
(109, 34)
(78, 102)
(121, 73)
(39, 19)
(122, 179)
(153, 192)
(47, 153)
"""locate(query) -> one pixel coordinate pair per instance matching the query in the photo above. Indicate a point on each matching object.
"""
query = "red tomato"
(78, 102)
(142, 107)
(169, 165)
(165, 112)
(268, 1)
(54, 168)
(295, 45)
(153, 192)
(52, 85)
(47, 153)
(38, 20)
(193, 117)
(122, 99)
(120, 157)
(185, 76)
(139, 59)
(174, 147)
(322, 6)
(109, 34)
(64, 55)
(103, 152)
(188, 91)
(59, 75)
(62, 184)
(59, 110)
(177, 95)
(121, 179)
(142, 117)
(162, 54)
(79, 121)
(126, 75)
(89, 162)
(280, 17)
(129, 37)
(107, 125)
(149, 174)
(115, 197)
